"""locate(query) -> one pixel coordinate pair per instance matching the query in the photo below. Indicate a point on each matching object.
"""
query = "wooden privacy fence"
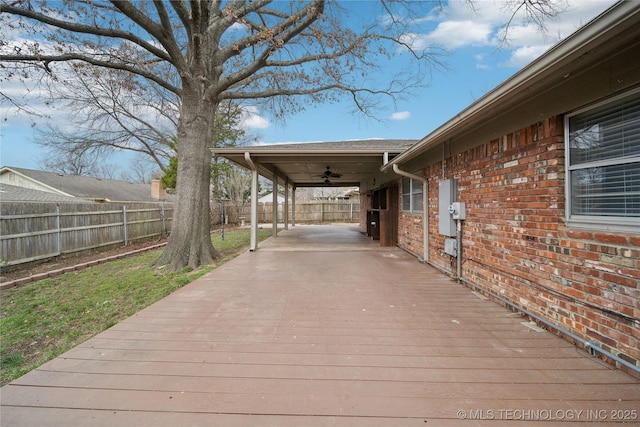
(35, 231)
(306, 212)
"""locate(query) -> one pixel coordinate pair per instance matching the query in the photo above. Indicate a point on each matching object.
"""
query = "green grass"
(44, 319)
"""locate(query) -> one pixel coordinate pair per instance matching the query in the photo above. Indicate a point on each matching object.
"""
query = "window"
(603, 163)
(411, 195)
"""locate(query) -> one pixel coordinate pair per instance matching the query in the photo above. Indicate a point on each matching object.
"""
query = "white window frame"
(415, 206)
(620, 223)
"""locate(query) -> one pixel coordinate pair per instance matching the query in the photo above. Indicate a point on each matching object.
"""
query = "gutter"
(289, 152)
(425, 208)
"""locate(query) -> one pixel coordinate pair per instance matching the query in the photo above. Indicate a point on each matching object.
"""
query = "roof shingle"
(90, 188)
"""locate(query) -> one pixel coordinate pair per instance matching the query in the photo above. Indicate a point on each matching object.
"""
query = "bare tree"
(536, 12)
(112, 112)
(236, 187)
(78, 163)
(285, 54)
(142, 170)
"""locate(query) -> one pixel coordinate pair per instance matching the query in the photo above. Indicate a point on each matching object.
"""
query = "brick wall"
(516, 243)
(410, 235)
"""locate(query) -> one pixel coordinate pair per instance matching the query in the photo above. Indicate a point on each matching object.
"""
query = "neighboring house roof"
(76, 186)
(268, 198)
(599, 59)
(12, 193)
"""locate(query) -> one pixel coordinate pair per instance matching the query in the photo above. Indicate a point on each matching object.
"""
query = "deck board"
(339, 337)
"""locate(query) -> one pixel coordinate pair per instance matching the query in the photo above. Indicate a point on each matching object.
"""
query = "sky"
(476, 64)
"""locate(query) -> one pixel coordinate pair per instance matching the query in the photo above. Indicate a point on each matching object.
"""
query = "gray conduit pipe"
(592, 346)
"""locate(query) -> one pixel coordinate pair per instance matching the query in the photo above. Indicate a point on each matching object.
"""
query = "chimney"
(157, 190)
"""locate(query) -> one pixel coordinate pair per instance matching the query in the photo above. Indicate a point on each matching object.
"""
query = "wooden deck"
(321, 327)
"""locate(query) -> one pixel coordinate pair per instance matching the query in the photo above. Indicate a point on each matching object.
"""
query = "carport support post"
(253, 242)
(274, 215)
(254, 210)
(286, 203)
(293, 206)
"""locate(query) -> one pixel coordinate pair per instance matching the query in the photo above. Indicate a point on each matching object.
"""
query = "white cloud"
(251, 119)
(400, 115)
(237, 26)
(451, 35)
(483, 25)
(481, 61)
(524, 55)
(456, 34)
(522, 35)
(30, 103)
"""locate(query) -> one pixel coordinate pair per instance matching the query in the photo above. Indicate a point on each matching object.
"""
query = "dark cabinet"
(373, 224)
(382, 218)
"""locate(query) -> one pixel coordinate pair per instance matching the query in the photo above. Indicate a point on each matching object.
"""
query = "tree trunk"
(190, 239)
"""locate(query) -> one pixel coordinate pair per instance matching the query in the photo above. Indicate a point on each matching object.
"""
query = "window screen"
(411, 195)
(603, 153)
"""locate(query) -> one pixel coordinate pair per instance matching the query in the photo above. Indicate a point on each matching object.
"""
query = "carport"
(320, 164)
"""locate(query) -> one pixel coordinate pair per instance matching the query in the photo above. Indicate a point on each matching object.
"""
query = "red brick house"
(543, 173)
(547, 167)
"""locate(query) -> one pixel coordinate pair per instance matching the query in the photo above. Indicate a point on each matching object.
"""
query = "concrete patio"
(322, 327)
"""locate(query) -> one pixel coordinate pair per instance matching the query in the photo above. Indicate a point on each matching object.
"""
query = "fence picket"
(35, 231)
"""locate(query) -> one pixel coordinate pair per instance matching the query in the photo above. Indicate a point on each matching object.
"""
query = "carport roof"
(304, 164)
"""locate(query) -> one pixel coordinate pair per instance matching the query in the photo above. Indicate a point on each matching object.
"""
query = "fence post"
(59, 230)
(164, 221)
(124, 224)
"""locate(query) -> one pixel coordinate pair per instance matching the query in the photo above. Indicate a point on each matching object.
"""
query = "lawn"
(44, 319)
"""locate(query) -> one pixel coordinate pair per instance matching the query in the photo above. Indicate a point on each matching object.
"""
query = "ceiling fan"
(329, 174)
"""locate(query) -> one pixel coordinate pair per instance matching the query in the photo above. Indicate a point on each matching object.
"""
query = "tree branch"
(47, 59)
(84, 29)
(297, 25)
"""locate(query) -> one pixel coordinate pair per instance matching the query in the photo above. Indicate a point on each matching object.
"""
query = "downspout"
(425, 207)
(253, 245)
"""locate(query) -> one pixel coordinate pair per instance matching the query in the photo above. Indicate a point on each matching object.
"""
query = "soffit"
(304, 165)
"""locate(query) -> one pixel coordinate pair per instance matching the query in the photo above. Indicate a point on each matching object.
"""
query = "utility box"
(451, 247)
(446, 196)
(458, 210)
